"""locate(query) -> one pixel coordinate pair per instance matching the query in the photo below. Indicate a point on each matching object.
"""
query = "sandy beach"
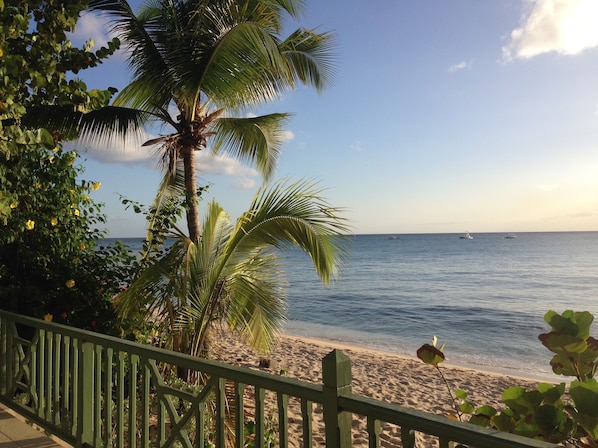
(384, 376)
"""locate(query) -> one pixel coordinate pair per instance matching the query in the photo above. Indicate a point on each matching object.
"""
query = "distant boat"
(510, 236)
(394, 237)
(466, 236)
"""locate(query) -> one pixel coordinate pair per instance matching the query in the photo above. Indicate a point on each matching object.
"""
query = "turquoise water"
(485, 298)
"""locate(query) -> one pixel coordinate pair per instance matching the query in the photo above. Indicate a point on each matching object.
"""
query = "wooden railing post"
(86, 398)
(336, 375)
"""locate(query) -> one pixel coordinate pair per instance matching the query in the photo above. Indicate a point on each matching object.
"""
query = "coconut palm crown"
(196, 65)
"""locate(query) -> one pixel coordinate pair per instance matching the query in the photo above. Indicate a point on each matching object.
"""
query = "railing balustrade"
(100, 391)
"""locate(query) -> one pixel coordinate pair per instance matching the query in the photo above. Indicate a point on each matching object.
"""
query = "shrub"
(550, 412)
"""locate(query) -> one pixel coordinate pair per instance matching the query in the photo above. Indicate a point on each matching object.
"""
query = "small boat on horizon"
(466, 236)
(510, 236)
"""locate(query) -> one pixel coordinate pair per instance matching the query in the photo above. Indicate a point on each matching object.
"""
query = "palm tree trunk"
(188, 155)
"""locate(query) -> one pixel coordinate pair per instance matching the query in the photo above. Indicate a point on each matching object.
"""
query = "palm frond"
(143, 37)
(244, 68)
(96, 127)
(310, 57)
(295, 214)
(255, 140)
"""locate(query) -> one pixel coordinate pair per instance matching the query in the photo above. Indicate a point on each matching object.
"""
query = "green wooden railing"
(95, 390)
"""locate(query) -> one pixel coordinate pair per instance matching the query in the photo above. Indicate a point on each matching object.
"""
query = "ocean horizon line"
(498, 232)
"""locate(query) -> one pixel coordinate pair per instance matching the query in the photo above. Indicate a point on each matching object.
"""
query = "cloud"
(461, 66)
(91, 27)
(564, 26)
(131, 152)
(287, 136)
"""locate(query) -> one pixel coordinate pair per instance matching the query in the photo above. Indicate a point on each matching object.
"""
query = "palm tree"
(196, 65)
(232, 273)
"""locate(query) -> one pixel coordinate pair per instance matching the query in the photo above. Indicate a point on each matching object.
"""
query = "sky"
(444, 116)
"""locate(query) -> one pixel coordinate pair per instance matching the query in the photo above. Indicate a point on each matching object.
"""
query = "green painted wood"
(86, 393)
(108, 414)
(260, 417)
(69, 376)
(39, 367)
(76, 412)
(373, 427)
(120, 399)
(132, 426)
(145, 405)
(282, 400)
(336, 373)
(307, 418)
(56, 376)
(96, 375)
(66, 384)
(220, 412)
(6, 355)
(407, 437)
(240, 414)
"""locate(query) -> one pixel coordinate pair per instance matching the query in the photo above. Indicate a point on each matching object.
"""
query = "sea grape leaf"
(526, 429)
(589, 424)
(585, 396)
(430, 355)
(551, 420)
(486, 410)
(574, 323)
(480, 420)
(561, 366)
(552, 394)
(504, 422)
(460, 393)
(466, 408)
(563, 343)
(521, 400)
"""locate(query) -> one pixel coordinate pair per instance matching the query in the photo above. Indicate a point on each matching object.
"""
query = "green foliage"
(270, 434)
(50, 266)
(549, 412)
(232, 274)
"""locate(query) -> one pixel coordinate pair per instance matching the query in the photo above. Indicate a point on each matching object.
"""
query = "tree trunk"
(191, 194)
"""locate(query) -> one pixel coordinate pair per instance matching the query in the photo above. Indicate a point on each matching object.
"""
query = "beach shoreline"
(392, 378)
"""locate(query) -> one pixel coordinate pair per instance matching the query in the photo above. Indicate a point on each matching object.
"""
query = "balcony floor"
(16, 433)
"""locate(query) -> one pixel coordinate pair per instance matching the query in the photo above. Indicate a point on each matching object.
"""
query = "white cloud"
(287, 135)
(117, 151)
(91, 27)
(207, 163)
(563, 26)
(461, 66)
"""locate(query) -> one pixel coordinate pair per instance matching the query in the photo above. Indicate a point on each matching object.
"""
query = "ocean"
(484, 298)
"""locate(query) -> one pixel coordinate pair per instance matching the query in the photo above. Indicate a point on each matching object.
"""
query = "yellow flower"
(30, 225)
(56, 149)
(76, 212)
(38, 185)
(82, 246)
(48, 317)
(54, 221)
(86, 198)
(1, 53)
(51, 159)
(14, 204)
(70, 283)
(96, 185)
(72, 192)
